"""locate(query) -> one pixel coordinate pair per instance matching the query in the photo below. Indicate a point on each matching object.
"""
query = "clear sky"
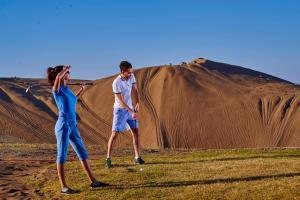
(95, 35)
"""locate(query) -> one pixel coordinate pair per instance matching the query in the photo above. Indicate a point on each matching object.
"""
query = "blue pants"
(66, 131)
(122, 118)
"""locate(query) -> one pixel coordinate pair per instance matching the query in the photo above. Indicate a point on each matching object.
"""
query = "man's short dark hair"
(124, 65)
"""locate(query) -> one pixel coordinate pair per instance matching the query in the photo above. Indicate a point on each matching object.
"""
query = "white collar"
(122, 79)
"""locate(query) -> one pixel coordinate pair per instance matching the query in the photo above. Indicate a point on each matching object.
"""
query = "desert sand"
(202, 104)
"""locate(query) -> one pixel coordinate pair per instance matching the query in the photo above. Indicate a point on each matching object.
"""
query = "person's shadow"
(211, 160)
(208, 181)
(202, 182)
(224, 159)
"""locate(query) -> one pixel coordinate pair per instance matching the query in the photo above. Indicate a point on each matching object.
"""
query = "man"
(124, 112)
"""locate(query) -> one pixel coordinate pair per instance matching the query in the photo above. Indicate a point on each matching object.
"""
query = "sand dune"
(202, 104)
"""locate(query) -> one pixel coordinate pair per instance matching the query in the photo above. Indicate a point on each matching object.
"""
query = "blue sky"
(95, 35)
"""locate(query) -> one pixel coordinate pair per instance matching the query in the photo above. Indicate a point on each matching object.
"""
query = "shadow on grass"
(122, 165)
(203, 182)
(223, 159)
(208, 160)
(52, 161)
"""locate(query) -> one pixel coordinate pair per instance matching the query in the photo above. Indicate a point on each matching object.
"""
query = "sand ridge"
(201, 104)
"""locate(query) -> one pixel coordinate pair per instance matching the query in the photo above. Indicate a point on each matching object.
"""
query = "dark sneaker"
(98, 184)
(108, 163)
(138, 160)
(68, 191)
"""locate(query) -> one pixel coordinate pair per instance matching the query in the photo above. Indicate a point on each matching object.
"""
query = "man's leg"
(111, 142)
(134, 126)
(137, 146)
(118, 126)
(136, 142)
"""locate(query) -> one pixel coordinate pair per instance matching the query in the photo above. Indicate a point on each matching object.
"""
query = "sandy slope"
(202, 104)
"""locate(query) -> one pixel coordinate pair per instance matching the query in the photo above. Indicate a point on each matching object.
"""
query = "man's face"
(127, 73)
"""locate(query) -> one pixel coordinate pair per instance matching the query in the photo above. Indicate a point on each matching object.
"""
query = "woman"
(66, 126)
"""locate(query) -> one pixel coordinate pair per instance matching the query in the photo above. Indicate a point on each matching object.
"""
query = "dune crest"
(201, 104)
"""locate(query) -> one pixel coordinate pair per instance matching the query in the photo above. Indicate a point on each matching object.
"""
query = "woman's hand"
(81, 90)
(137, 107)
(83, 87)
(134, 115)
(65, 70)
(60, 77)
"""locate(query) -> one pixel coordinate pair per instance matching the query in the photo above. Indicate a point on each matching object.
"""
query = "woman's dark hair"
(52, 73)
(124, 65)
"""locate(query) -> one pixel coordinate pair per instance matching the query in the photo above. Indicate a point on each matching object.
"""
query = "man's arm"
(137, 97)
(123, 104)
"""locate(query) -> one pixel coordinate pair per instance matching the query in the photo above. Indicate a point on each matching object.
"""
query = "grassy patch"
(219, 174)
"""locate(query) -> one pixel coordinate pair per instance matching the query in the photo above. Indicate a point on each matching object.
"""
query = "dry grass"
(220, 174)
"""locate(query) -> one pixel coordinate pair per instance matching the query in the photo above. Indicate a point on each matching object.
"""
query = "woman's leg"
(88, 171)
(61, 175)
(81, 152)
(62, 137)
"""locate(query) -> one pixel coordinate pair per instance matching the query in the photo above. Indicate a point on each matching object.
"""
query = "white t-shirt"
(123, 87)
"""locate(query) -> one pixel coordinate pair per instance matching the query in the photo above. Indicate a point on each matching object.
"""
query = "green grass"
(223, 174)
